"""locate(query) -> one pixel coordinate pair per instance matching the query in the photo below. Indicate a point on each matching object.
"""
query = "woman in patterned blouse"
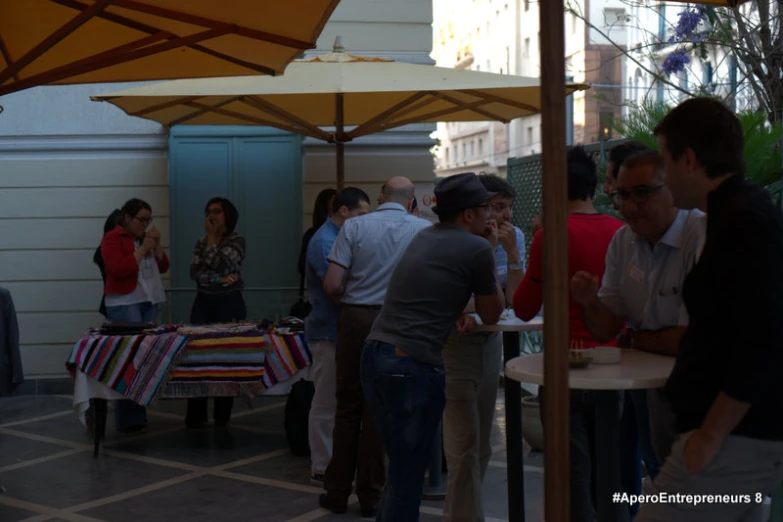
(216, 268)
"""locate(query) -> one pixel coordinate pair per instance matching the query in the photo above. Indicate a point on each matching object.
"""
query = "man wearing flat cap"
(402, 367)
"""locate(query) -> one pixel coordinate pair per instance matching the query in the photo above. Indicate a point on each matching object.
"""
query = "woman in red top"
(589, 235)
(133, 260)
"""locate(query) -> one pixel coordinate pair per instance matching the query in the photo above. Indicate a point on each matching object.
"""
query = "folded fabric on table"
(219, 361)
(287, 354)
(134, 365)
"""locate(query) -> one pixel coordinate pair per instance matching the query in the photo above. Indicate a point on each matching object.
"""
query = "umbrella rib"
(464, 105)
(431, 116)
(162, 106)
(7, 56)
(499, 99)
(108, 59)
(53, 39)
(138, 26)
(281, 113)
(378, 119)
(214, 24)
(240, 116)
(198, 112)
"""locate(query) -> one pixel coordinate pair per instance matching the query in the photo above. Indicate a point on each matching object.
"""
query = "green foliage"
(762, 141)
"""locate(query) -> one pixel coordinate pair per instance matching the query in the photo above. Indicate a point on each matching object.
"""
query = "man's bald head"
(398, 189)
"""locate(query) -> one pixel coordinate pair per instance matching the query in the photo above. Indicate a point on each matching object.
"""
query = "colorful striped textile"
(287, 354)
(219, 362)
(134, 365)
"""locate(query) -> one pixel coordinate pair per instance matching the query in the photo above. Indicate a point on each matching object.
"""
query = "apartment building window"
(464, 151)
(527, 47)
(605, 120)
(529, 136)
(707, 74)
(662, 22)
(473, 149)
(489, 65)
(527, 5)
(573, 23)
(505, 7)
(446, 155)
(481, 147)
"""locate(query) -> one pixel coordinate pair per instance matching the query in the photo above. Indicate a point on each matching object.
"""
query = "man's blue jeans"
(406, 398)
(127, 414)
(636, 444)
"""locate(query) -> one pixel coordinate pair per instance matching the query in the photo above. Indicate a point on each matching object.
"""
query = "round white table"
(512, 399)
(636, 370)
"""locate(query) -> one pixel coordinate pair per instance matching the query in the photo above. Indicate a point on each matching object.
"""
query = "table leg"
(607, 424)
(100, 407)
(513, 403)
(436, 487)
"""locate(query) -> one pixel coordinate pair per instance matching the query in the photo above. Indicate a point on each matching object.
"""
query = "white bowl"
(607, 355)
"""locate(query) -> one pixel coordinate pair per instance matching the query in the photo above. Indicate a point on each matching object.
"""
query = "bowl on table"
(607, 355)
(580, 358)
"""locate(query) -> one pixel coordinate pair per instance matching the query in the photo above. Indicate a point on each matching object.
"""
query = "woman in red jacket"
(133, 259)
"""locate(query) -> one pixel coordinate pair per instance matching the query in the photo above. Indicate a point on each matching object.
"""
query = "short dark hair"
(230, 212)
(582, 174)
(321, 207)
(131, 208)
(621, 152)
(648, 158)
(494, 183)
(710, 130)
(350, 197)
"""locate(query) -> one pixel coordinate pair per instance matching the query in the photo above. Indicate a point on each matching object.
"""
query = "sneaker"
(317, 479)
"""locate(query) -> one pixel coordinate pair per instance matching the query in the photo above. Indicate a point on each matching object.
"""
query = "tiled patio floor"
(168, 473)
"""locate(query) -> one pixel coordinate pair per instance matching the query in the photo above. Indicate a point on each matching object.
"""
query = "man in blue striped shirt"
(362, 260)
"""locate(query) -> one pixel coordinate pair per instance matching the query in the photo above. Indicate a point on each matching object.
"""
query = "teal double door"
(260, 171)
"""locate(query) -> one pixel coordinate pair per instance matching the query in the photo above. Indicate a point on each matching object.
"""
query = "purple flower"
(675, 62)
(688, 21)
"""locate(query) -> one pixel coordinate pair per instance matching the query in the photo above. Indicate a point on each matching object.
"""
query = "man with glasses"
(646, 265)
(472, 365)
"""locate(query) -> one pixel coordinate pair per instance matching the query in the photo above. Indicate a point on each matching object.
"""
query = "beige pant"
(472, 369)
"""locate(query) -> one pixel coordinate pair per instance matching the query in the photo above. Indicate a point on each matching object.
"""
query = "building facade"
(67, 162)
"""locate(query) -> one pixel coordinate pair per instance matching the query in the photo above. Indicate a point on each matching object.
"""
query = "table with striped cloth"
(216, 360)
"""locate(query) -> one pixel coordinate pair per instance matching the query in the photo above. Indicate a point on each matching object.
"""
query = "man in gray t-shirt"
(402, 367)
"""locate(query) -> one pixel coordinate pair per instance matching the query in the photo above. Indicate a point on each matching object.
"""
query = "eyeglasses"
(500, 207)
(214, 211)
(143, 221)
(638, 195)
(486, 208)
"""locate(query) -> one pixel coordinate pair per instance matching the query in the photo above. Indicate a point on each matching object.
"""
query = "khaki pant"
(472, 365)
(321, 420)
(742, 466)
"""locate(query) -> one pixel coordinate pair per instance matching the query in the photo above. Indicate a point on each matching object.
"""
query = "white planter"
(532, 429)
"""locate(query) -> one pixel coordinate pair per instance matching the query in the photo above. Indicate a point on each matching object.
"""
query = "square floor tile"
(208, 499)
(14, 409)
(12, 514)
(80, 478)
(203, 447)
(18, 449)
(287, 468)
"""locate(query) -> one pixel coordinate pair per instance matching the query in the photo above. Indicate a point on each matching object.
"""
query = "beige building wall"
(66, 163)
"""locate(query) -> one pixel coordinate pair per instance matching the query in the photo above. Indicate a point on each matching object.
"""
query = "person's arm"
(515, 275)
(724, 416)
(487, 293)
(603, 310)
(119, 265)
(662, 342)
(529, 295)
(340, 257)
(334, 281)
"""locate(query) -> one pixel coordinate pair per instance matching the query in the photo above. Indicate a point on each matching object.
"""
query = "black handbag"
(302, 307)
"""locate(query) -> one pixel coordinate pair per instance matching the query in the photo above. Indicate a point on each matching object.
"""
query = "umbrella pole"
(339, 138)
(556, 284)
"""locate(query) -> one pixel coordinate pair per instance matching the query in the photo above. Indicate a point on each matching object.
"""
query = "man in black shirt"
(725, 387)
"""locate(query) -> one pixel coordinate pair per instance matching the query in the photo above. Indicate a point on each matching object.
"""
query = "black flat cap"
(460, 192)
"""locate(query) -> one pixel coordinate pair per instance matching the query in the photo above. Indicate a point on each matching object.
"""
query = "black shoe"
(369, 512)
(133, 429)
(326, 503)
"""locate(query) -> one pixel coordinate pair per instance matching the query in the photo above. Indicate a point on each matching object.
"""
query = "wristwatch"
(626, 340)
(516, 266)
